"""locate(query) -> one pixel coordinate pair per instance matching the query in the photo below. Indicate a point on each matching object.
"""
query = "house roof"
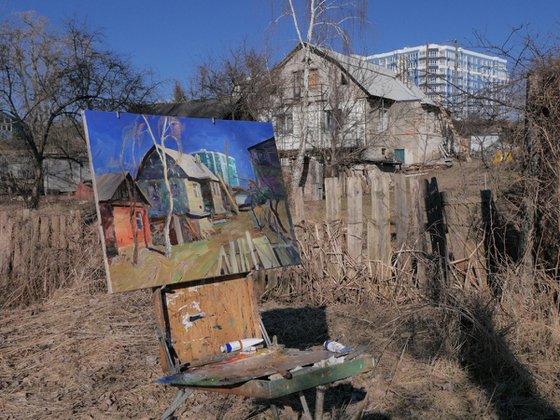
(191, 167)
(373, 79)
(107, 184)
(207, 108)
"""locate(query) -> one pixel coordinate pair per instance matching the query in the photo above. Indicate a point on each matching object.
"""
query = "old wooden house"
(124, 215)
(195, 192)
(353, 112)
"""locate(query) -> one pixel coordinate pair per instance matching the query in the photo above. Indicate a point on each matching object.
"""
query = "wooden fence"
(41, 252)
(389, 232)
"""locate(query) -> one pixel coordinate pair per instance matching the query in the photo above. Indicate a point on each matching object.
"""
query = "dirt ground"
(91, 355)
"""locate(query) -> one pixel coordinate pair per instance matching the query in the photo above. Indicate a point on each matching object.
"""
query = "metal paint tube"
(243, 344)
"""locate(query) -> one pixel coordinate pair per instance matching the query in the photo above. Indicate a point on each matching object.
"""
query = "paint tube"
(243, 344)
(336, 347)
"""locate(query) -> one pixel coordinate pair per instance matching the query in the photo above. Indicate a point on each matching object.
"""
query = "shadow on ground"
(298, 328)
(303, 328)
(490, 364)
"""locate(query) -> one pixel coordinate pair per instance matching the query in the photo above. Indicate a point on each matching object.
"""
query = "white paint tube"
(336, 347)
(243, 344)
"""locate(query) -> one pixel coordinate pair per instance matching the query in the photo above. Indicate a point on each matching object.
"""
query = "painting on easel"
(182, 199)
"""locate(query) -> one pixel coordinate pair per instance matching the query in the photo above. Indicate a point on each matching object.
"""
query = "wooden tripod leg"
(275, 414)
(181, 396)
(320, 402)
(306, 412)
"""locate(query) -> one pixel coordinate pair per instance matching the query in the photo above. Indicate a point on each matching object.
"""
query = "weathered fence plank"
(379, 227)
(401, 207)
(332, 198)
(355, 217)
(419, 229)
(299, 212)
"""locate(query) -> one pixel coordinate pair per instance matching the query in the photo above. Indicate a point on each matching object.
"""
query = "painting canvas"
(184, 199)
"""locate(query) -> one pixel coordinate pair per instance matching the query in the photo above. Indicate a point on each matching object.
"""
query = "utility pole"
(455, 75)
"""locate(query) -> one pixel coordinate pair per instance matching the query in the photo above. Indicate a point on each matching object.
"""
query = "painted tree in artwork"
(168, 130)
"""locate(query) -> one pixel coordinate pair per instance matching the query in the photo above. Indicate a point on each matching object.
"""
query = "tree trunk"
(37, 188)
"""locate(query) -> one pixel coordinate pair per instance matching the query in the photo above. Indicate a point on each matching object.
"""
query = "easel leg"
(320, 402)
(306, 411)
(275, 414)
(181, 396)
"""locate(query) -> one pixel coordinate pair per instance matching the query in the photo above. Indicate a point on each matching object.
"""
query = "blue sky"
(171, 37)
(106, 134)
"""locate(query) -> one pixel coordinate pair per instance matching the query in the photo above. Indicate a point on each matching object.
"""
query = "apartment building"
(464, 81)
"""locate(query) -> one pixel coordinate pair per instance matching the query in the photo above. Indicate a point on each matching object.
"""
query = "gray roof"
(107, 184)
(191, 166)
(208, 108)
(376, 80)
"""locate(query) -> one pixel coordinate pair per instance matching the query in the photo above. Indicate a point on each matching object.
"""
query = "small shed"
(123, 210)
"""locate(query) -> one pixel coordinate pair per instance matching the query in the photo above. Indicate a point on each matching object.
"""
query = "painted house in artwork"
(124, 212)
(195, 190)
(267, 168)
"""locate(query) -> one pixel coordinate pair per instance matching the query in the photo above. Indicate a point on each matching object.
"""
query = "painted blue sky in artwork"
(114, 150)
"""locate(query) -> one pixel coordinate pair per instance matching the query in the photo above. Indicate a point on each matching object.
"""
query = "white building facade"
(355, 111)
(466, 82)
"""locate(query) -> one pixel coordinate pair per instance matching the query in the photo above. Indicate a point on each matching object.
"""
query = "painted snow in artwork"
(183, 199)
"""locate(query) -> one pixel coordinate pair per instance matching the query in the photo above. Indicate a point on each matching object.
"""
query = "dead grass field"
(85, 354)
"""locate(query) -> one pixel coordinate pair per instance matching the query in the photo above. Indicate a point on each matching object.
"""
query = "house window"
(285, 124)
(383, 122)
(297, 82)
(343, 79)
(333, 119)
(139, 222)
(196, 190)
(313, 79)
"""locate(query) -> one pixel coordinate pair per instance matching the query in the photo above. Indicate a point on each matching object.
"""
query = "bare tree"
(47, 77)
(318, 23)
(179, 94)
(240, 80)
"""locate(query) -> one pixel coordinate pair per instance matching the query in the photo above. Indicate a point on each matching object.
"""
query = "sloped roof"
(191, 167)
(373, 79)
(207, 108)
(376, 80)
(107, 184)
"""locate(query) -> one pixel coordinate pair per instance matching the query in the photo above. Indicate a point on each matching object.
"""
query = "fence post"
(437, 230)
(332, 198)
(419, 228)
(379, 228)
(490, 248)
(401, 207)
(299, 212)
(355, 217)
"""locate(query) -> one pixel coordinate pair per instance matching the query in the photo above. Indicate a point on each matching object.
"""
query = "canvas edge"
(97, 208)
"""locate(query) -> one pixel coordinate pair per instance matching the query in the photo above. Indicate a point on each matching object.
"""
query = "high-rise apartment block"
(466, 82)
(220, 165)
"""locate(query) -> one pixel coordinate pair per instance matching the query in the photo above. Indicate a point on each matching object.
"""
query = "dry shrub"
(45, 253)
(329, 275)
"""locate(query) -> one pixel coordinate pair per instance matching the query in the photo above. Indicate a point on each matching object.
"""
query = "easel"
(194, 320)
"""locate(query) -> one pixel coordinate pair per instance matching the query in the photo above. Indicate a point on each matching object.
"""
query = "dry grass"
(82, 353)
